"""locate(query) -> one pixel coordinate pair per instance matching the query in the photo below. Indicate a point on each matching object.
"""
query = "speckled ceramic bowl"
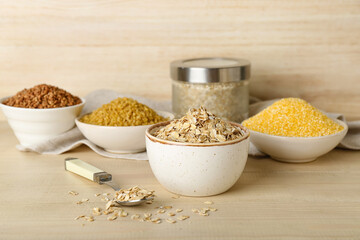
(195, 169)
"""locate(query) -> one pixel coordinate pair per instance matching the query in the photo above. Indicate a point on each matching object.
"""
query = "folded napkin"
(96, 99)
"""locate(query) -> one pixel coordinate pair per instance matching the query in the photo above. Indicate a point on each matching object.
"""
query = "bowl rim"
(77, 121)
(342, 123)
(168, 142)
(83, 101)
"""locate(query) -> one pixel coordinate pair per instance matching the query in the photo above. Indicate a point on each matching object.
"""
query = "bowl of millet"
(41, 113)
(119, 126)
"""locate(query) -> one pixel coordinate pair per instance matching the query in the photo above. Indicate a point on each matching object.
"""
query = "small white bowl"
(118, 139)
(195, 169)
(32, 126)
(297, 149)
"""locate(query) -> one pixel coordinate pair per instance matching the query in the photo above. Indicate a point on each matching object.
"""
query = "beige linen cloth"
(73, 138)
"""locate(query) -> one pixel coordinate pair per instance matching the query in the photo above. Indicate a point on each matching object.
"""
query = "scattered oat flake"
(161, 211)
(135, 216)
(112, 217)
(168, 207)
(123, 214)
(213, 209)
(175, 197)
(79, 202)
(78, 217)
(109, 204)
(171, 214)
(179, 210)
(205, 210)
(97, 194)
(97, 211)
(203, 214)
(208, 202)
(85, 200)
(194, 210)
(73, 193)
(169, 220)
(107, 212)
(106, 194)
(155, 219)
(147, 215)
(89, 219)
(183, 217)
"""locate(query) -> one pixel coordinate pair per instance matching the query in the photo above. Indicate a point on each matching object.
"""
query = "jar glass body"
(229, 100)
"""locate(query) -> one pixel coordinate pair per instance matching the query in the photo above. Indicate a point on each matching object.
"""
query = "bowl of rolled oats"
(40, 113)
(198, 154)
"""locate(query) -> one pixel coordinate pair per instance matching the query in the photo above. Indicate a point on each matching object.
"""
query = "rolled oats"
(89, 219)
(183, 217)
(161, 211)
(135, 216)
(78, 217)
(112, 217)
(123, 214)
(194, 210)
(169, 220)
(97, 211)
(134, 193)
(199, 126)
(73, 193)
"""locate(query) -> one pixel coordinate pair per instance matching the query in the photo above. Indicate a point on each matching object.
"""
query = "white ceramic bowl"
(297, 149)
(118, 139)
(192, 169)
(33, 126)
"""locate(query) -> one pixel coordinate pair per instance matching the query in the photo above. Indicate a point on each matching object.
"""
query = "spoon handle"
(86, 170)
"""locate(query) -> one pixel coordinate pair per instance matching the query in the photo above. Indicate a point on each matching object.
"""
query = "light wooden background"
(308, 49)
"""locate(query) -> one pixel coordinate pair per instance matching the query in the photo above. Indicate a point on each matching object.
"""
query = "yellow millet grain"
(292, 117)
(123, 112)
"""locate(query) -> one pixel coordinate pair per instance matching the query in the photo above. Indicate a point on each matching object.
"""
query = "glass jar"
(218, 84)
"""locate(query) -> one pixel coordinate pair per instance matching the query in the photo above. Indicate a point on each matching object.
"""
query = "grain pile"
(199, 126)
(123, 112)
(42, 96)
(157, 215)
(292, 117)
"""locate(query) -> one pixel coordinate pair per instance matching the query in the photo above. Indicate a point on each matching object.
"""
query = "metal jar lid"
(210, 70)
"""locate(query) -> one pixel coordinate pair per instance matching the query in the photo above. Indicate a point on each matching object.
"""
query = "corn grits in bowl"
(292, 130)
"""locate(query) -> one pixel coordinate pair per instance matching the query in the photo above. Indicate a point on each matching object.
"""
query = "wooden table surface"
(271, 200)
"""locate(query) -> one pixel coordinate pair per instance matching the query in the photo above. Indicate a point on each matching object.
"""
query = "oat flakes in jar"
(221, 85)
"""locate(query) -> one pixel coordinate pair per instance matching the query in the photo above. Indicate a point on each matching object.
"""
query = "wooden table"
(272, 200)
